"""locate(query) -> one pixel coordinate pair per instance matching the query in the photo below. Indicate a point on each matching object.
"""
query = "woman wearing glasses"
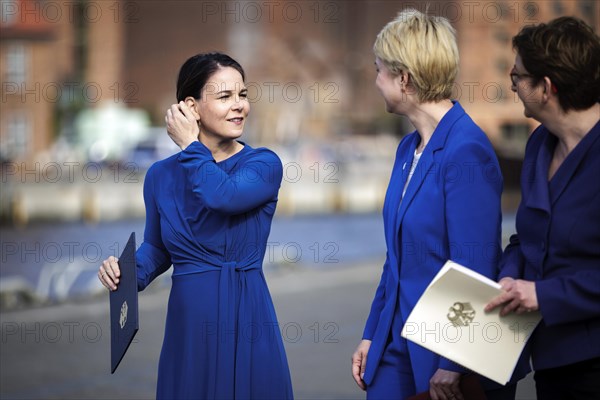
(552, 264)
(443, 202)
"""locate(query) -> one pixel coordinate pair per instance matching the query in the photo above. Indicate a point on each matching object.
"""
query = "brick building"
(58, 57)
(309, 63)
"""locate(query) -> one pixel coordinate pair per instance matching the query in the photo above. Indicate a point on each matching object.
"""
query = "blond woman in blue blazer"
(443, 202)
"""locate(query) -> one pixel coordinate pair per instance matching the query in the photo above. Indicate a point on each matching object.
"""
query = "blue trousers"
(394, 377)
(392, 381)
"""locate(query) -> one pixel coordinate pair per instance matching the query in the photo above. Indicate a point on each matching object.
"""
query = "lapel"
(538, 195)
(543, 193)
(565, 172)
(399, 175)
(427, 167)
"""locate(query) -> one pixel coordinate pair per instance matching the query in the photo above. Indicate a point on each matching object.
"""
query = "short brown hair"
(567, 51)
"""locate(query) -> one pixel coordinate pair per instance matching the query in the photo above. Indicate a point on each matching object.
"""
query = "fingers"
(444, 385)
(174, 116)
(182, 126)
(109, 273)
(506, 283)
(363, 365)
(458, 394)
(358, 368)
(357, 377)
(507, 294)
(186, 111)
(498, 300)
(180, 113)
(523, 309)
(440, 392)
(515, 304)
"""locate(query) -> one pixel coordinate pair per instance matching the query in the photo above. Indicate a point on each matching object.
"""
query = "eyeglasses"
(515, 77)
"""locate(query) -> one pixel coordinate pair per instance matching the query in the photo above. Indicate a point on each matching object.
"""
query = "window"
(16, 63)
(16, 138)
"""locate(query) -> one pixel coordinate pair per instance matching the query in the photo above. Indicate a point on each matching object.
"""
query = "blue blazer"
(451, 210)
(557, 245)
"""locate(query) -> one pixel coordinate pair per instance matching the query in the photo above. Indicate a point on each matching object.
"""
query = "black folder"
(124, 306)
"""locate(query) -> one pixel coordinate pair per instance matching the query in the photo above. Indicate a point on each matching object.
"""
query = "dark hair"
(196, 71)
(567, 51)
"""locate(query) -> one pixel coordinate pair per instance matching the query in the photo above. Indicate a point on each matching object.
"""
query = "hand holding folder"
(124, 322)
(449, 319)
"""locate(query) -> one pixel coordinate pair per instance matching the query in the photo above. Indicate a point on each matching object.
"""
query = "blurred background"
(85, 86)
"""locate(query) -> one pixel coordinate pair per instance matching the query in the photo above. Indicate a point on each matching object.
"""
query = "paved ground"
(63, 352)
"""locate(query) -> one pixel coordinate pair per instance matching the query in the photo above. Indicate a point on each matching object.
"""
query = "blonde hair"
(425, 47)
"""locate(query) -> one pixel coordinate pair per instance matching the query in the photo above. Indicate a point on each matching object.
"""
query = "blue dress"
(211, 221)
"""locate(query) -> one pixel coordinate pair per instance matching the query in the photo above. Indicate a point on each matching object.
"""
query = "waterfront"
(50, 262)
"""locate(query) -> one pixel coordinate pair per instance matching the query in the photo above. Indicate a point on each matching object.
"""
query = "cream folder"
(449, 320)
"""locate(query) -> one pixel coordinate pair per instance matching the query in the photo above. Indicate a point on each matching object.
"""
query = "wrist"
(184, 145)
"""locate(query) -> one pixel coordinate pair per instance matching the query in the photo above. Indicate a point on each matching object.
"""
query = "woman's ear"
(404, 77)
(400, 80)
(406, 82)
(549, 87)
(193, 106)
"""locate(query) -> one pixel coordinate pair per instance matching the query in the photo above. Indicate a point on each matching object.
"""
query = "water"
(54, 262)
(57, 262)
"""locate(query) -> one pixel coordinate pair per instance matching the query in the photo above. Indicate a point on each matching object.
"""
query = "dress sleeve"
(377, 305)
(152, 257)
(255, 183)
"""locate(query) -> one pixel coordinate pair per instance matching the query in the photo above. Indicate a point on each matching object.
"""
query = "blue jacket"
(557, 245)
(451, 210)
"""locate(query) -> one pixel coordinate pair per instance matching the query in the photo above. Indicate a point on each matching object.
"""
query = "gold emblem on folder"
(461, 314)
(123, 317)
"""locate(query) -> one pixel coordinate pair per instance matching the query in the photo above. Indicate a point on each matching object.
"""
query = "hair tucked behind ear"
(196, 71)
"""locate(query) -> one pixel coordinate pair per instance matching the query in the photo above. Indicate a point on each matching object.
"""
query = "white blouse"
(415, 161)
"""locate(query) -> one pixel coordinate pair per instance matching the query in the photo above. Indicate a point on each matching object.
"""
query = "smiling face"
(223, 106)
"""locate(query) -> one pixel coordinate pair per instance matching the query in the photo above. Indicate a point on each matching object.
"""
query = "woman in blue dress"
(208, 213)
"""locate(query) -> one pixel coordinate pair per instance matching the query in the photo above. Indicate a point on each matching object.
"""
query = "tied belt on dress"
(231, 357)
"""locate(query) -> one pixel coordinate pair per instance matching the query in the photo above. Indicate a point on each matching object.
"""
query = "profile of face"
(222, 106)
(389, 85)
(526, 87)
